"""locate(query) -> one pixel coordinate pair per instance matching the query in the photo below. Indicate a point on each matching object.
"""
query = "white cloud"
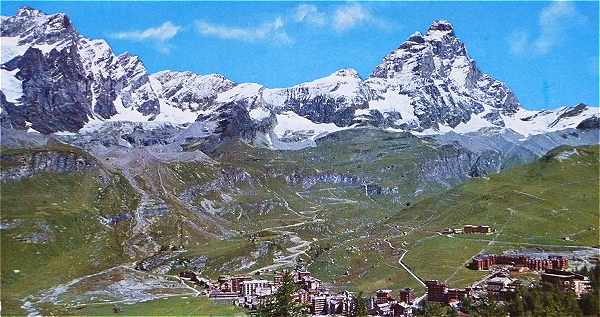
(162, 33)
(270, 30)
(348, 16)
(341, 18)
(310, 14)
(553, 22)
(352, 15)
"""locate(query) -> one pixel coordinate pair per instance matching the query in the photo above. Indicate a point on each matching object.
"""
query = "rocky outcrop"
(332, 99)
(19, 166)
(55, 90)
(453, 164)
(589, 123)
(59, 80)
(441, 81)
(230, 121)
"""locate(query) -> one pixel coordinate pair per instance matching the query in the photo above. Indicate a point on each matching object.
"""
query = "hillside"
(344, 209)
(549, 204)
(54, 225)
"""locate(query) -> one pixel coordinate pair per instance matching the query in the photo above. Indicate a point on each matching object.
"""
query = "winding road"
(300, 246)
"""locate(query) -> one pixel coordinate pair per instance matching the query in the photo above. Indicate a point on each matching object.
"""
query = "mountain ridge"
(427, 85)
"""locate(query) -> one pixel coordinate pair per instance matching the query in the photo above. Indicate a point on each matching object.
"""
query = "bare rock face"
(29, 164)
(441, 81)
(589, 123)
(34, 27)
(59, 80)
(332, 99)
(54, 88)
(233, 120)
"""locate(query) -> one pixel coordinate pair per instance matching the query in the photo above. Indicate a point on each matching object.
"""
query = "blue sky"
(547, 52)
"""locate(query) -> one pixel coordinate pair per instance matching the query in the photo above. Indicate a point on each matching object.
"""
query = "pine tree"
(361, 309)
(434, 310)
(283, 303)
(490, 308)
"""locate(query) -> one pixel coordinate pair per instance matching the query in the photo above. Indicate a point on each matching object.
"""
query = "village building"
(501, 286)
(236, 283)
(333, 304)
(481, 229)
(469, 229)
(566, 281)
(319, 305)
(485, 262)
(407, 295)
(391, 309)
(256, 288)
(401, 309)
(440, 293)
(341, 304)
(383, 296)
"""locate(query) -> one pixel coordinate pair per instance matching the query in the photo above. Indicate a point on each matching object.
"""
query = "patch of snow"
(11, 86)
(289, 122)
(540, 122)
(294, 132)
(175, 115)
(47, 48)
(259, 114)
(395, 102)
(476, 123)
(241, 91)
(459, 71)
(62, 133)
(10, 48)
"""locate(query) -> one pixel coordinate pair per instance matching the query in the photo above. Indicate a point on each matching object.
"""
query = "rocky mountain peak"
(346, 72)
(440, 28)
(26, 11)
(33, 26)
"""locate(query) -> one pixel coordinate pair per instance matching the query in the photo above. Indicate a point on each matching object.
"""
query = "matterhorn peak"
(439, 28)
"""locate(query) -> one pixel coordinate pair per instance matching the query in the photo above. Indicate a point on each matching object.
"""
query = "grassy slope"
(534, 205)
(171, 306)
(362, 223)
(68, 206)
(354, 226)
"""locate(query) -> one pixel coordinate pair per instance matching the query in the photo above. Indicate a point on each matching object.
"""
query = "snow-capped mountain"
(432, 82)
(54, 79)
(189, 91)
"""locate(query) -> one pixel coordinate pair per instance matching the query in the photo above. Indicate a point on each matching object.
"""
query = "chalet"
(501, 286)
(407, 295)
(383, 296)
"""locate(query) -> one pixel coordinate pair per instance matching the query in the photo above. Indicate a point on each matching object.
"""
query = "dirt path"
(404, 266)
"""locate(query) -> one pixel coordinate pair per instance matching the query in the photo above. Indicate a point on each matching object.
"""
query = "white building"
(257, 288)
